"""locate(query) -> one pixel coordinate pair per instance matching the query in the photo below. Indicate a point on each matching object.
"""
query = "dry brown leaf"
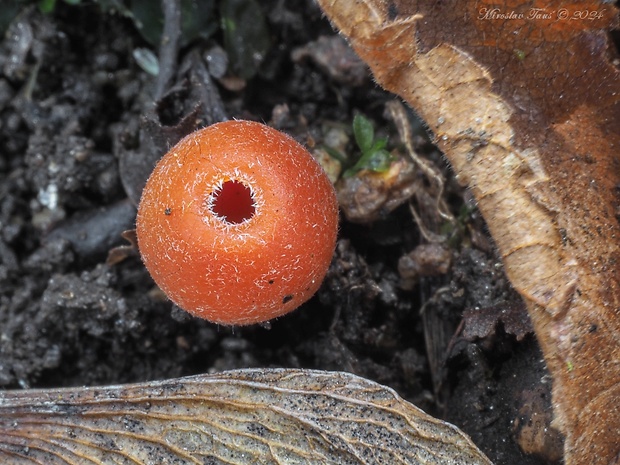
(277, 416)
(369, 196)
(526, 108)
(484, 322)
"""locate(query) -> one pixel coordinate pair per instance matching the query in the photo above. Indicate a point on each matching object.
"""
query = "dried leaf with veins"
(526, 108)
(241, 417)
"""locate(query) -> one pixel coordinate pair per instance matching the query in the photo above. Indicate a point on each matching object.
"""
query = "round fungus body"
(237, 223)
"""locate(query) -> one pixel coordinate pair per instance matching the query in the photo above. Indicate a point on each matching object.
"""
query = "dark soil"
(80, 127)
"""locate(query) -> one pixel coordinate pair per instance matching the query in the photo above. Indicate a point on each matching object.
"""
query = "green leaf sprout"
(374, 156)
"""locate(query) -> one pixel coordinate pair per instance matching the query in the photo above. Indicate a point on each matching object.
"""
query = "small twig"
(169, 47)
(399, 116)
(213, 107)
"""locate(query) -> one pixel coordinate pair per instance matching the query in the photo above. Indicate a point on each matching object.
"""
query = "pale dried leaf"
(277, 416)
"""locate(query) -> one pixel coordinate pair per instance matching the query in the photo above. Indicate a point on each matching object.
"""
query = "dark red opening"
(234, 202)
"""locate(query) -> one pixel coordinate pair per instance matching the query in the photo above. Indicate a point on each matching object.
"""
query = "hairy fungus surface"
(237, 223)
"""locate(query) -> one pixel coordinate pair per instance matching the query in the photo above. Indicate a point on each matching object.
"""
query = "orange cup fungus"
(237, 223)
